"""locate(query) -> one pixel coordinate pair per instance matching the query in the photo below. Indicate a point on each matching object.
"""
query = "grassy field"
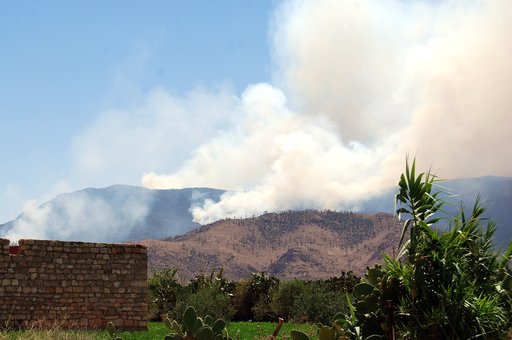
(157, 330)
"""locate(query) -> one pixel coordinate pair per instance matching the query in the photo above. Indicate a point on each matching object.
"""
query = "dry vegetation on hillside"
(302, 244)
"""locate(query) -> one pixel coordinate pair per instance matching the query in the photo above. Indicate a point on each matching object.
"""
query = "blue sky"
(62, 63)
(292, 103)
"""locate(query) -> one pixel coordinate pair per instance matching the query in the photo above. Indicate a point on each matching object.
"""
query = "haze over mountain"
(114, 214)
(125, 213)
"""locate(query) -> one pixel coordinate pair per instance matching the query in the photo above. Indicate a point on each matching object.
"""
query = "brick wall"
(73, 284)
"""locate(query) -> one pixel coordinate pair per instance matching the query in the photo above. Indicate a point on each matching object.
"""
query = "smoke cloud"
(275, 159)
(435, 72)
(358, 84)
(159, 133)
(83, 216)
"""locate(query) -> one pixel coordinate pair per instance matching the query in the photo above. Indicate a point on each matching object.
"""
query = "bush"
(209, 295)
(211, 301)
(213, 280)
(164, 291)
(241, 302)
(262, 311)
(284, 297)
(318, 303)
(252, 298)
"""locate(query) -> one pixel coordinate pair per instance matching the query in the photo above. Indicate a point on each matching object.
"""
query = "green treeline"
(260, 298)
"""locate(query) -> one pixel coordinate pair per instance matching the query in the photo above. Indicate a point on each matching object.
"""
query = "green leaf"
(208, 320)
(204, 333)
(362, 289)
(173, 337)
(218, 326)
(189, 318)
(326, 333)
(298, 335)
(176, 327)
(374, 275)
(198, 325)
(168, 323)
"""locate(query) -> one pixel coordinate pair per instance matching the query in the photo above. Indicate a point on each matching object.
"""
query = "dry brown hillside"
(301, 244)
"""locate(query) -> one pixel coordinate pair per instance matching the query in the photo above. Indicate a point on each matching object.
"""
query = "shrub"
(318, 303)
(210, 301)
(195, 327)
(252, 298)
(164, 291)
(241, 302)
(260, 293)
(262, 311)
(284, 297)
(209, 295)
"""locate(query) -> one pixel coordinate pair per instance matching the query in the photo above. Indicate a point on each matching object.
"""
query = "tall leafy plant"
(447, 282)
(453, 278)
(419, 202)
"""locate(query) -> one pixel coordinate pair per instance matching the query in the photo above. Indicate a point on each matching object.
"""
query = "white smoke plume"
(276, 159)
(438, 71)
(82, 216)
(358, 85)
(117, 148)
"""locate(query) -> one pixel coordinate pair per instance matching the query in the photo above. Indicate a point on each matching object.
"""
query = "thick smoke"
(275, 159)
(83, 216)
(437, 72)
(357, 85)
(362, 84)
(118, 147)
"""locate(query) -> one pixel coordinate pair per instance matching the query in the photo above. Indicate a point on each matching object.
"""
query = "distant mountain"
(114, 214)
(290, 244)
(127, 213)
(495, 192)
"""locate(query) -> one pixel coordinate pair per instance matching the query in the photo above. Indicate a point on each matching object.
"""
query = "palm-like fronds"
(452, 285)
(456, 284)
(418, 201)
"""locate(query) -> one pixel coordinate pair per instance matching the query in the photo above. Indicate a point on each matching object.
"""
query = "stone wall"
(73, 284)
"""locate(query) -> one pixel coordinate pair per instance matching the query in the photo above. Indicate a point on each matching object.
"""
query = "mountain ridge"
(130, 213)
(314, 244)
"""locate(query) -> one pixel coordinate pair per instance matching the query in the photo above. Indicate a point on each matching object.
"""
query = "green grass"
(157, 330)
(261, 330)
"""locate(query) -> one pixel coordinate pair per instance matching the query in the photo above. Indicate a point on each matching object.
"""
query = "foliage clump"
(262, 298)
(447, 282)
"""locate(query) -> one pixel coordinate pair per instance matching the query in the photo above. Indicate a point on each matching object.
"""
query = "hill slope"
(303, 244)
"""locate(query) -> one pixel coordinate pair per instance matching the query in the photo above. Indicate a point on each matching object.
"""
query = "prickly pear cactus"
(298, 335)
(112, 331)
(324, 333)
(367, 307)
(196, 328)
